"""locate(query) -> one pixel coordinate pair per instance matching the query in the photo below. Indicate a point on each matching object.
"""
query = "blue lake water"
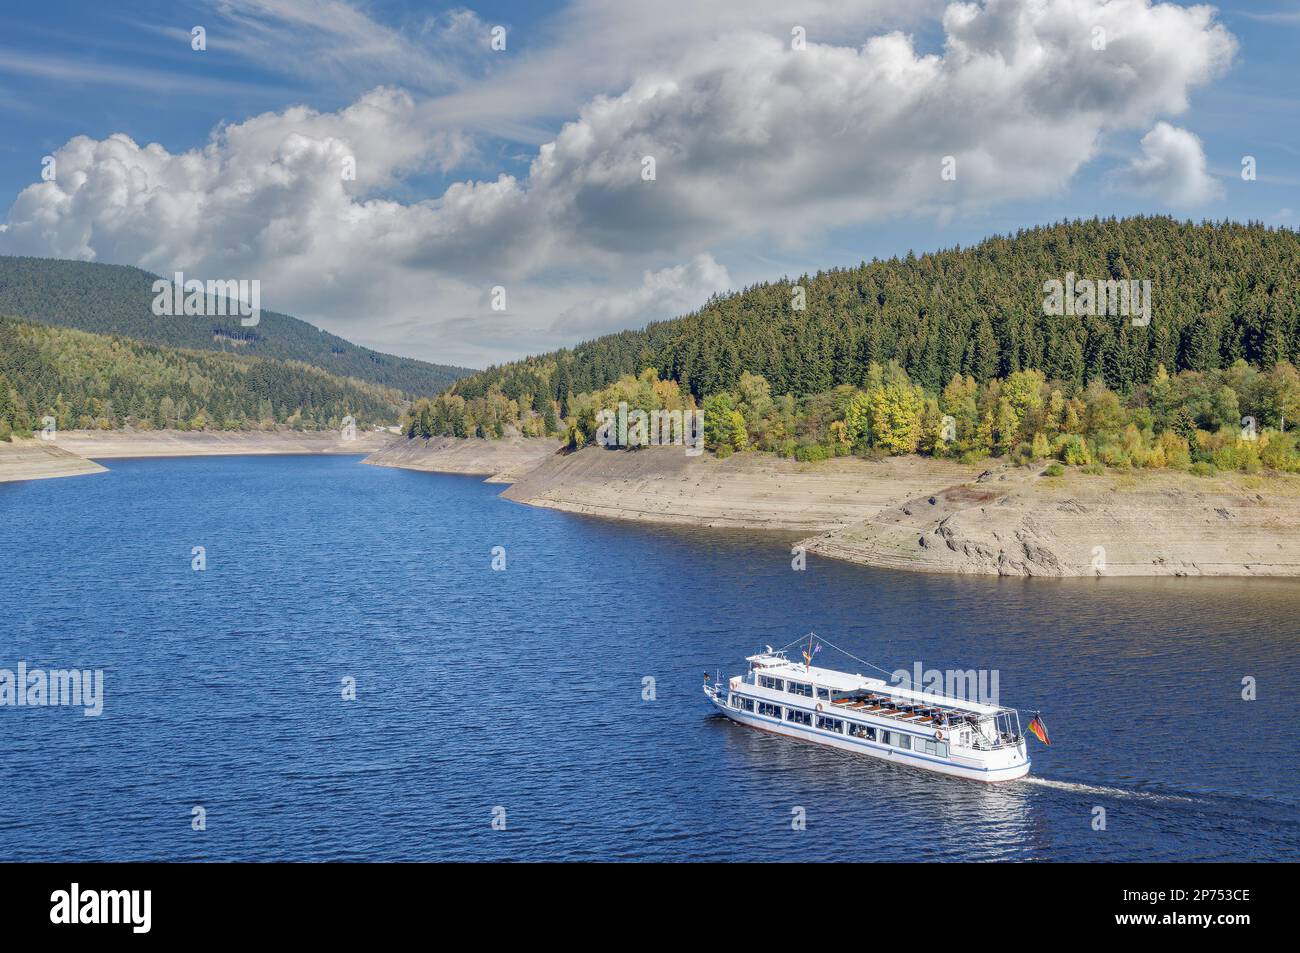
(522, 689)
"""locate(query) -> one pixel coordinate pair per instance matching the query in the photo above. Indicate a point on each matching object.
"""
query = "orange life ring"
(938, 734)
(819, 706)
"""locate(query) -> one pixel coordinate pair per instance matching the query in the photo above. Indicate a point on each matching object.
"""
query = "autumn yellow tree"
(896, 416)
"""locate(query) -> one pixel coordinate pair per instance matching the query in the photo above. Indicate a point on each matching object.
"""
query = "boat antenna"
(854, 657)
(788, 644)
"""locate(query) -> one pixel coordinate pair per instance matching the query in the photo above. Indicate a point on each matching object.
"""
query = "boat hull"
(951, 766)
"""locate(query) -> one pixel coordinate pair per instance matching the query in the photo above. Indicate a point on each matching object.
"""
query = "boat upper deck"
(868, 694)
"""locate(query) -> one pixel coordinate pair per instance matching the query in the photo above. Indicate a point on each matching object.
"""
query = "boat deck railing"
(911, 711)
(954, 721)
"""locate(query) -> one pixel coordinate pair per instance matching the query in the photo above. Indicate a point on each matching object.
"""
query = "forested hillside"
(954, 355)
(112, 299)
(97, 381)
(1219, 292)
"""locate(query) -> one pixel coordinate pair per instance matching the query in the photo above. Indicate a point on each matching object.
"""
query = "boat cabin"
(863, 707)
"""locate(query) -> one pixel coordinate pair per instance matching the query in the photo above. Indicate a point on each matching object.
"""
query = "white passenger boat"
(872, 717)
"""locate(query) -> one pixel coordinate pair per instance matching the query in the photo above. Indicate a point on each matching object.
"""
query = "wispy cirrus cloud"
(1288, 16)
(88, 72)
(334, 41)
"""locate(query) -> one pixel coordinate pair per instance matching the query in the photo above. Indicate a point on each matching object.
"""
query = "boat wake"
(1098, 790)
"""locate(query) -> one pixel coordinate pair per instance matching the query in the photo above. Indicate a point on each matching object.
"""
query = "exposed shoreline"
(914, 513)
(1019, 523)
(501, 461)
(907, 513)
(744, 491)
(73, 452)
(41, 460)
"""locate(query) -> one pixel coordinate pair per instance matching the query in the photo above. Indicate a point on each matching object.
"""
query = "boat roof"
(777, 664)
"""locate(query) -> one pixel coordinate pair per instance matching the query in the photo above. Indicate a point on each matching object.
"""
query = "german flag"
(1039, 729)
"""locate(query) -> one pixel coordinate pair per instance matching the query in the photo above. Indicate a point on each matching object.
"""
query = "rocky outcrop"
(1019, 523)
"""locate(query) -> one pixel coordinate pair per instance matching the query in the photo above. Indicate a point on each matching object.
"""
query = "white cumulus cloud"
(1171, 168)
(752, 140)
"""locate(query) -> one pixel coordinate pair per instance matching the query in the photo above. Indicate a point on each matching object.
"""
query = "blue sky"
(521, 168)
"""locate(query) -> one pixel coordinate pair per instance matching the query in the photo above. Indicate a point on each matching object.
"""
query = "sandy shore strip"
(37, 459)
(502, 461)
(71, 452)
(746, 490)
(108, 444)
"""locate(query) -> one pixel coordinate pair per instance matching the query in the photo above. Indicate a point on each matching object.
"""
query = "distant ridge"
(91, 381)
(117, 299)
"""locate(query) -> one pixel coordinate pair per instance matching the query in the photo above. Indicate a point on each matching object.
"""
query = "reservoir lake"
(561, 695)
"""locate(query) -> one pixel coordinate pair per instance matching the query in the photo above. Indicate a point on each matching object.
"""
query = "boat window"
(798, 716)
(884, 737)
(904, 741)
(772, 711)
(799, 688)
(766, 681)
(932, 747)
(830, 724)
(824, 694)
